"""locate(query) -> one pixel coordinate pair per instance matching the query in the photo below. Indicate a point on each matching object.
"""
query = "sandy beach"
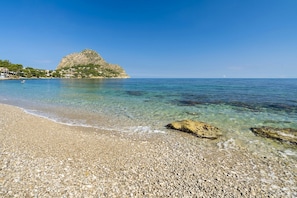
(41, 158)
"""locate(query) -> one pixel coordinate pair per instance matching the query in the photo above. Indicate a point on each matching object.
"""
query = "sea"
(146, 106)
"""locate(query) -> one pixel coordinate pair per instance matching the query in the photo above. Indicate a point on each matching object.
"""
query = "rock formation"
(88, 64)
(200, 129)
(286, 134)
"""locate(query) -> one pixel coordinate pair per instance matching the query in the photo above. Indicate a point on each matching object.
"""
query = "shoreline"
(42, 158)
(52, 78)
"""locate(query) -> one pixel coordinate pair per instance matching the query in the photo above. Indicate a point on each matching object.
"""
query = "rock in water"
(88, 64)
(200, 129)
(286, 134)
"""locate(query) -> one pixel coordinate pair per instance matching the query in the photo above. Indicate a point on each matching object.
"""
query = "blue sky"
(155, 38)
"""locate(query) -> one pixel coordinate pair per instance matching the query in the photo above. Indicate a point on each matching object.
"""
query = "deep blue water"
(147, 105)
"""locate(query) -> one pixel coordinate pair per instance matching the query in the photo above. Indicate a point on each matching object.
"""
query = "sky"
(157, 38)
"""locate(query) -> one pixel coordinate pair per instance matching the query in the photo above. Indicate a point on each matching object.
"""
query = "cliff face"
(88, 64)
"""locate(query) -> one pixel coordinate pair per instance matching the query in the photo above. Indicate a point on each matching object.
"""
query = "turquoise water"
(147, 105)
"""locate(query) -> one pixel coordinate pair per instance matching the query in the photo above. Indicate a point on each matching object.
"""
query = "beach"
(41, 158)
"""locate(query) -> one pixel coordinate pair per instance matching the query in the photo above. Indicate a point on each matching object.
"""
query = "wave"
(69, 122)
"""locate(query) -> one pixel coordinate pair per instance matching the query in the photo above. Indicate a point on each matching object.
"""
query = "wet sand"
(41, 158)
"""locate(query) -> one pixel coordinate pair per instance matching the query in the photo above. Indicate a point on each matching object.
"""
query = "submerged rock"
(135, 93)
(200, 129)
(285, 134)
(188, 102)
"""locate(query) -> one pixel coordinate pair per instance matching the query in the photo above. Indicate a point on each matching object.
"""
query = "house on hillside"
(4, 72)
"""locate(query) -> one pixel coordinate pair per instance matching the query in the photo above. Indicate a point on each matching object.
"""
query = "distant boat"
(23, 81)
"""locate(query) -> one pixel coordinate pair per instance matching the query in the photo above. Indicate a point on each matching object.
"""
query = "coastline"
(49, 78)
(47, 159)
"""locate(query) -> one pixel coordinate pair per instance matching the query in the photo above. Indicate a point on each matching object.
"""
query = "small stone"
(89, 186)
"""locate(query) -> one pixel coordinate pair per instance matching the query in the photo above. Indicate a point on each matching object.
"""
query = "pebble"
(45, 159)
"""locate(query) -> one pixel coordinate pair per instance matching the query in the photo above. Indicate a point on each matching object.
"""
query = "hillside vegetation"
(86, 64)
(11, 70)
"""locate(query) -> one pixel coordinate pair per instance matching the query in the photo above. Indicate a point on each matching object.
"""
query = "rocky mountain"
(88, 64)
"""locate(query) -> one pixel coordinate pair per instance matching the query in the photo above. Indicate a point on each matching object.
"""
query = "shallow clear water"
(147, 105)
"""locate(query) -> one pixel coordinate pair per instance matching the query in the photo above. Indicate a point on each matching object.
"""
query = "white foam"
(285, 134)
(133, 129)
(142, 129)
(229, 144)
(56, 120)
(290, 153)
